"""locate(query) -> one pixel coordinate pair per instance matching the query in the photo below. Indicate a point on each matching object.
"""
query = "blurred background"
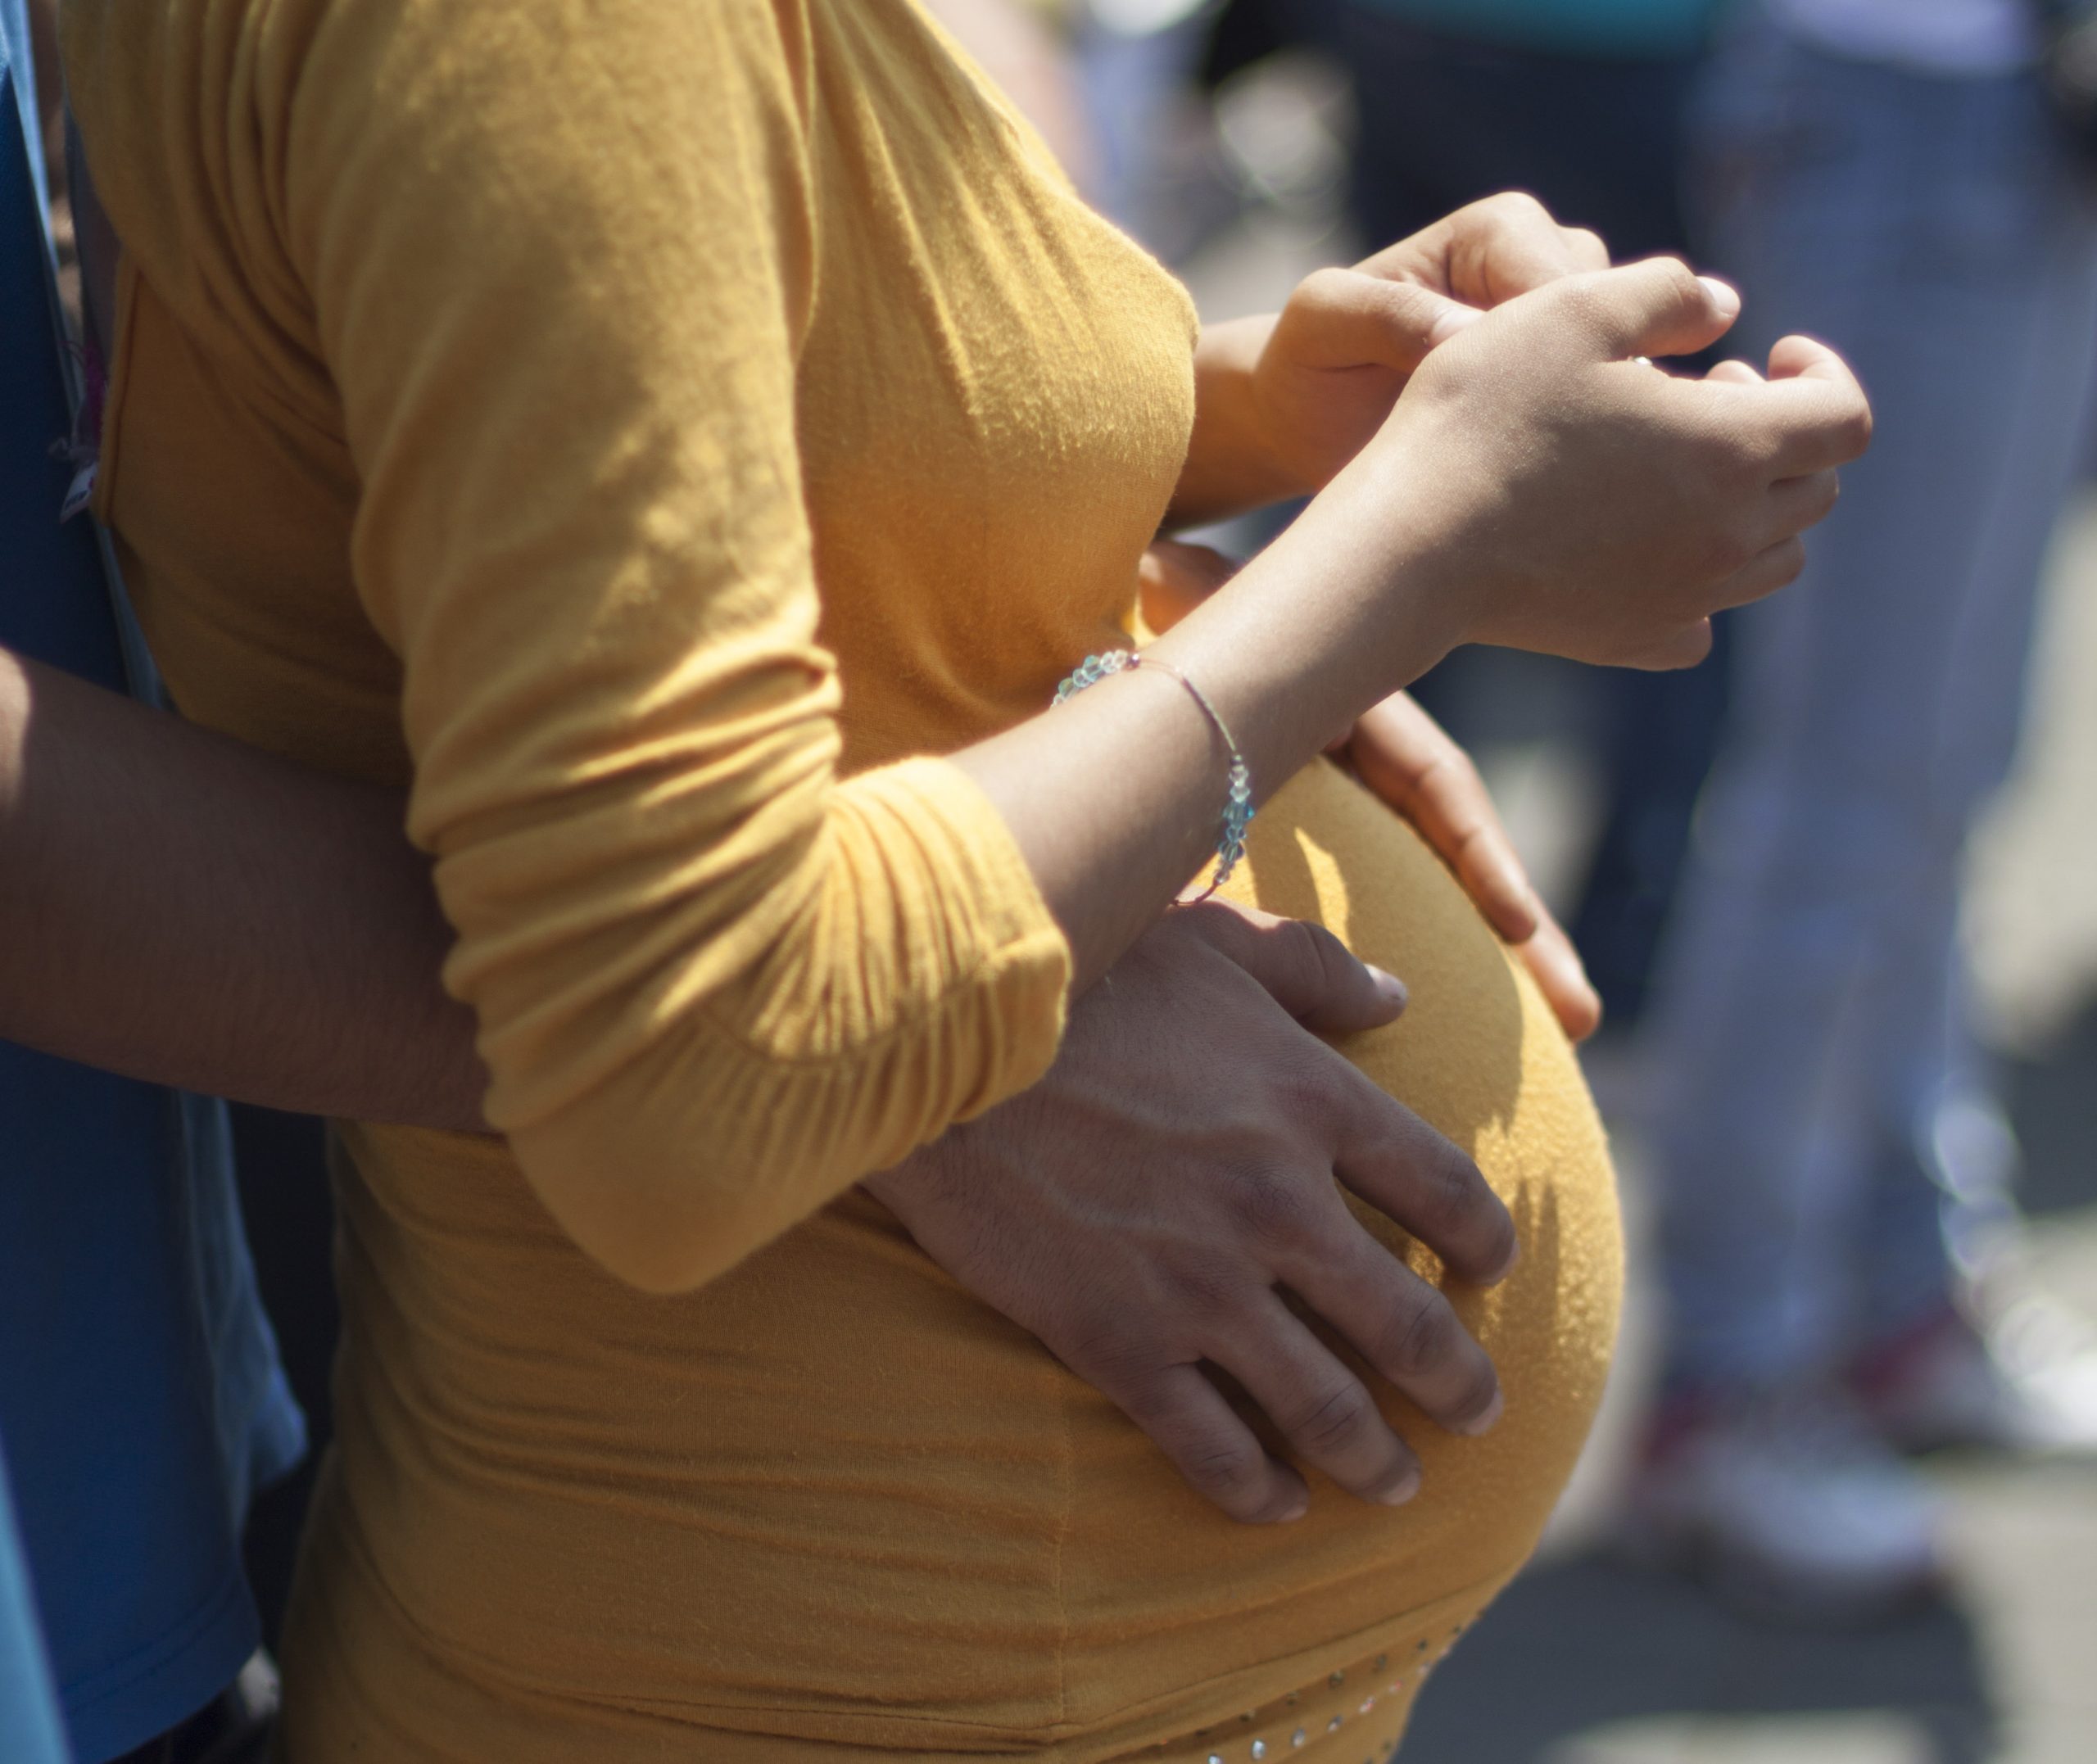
(1841, 1506)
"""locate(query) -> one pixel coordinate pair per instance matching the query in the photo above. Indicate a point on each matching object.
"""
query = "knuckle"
(1121, 1359)
(1518, 207)
(1684, 648)
(1424, 1333)
(1305, 1090)
(1855, 430)
(1198, 1289)
(1271, 1207)
(1228, 1471)
(1331, 963)
(1679, 279)
(1341, 1418)
(1205, 919)
(1301, 952)
(1330, 286)
(1787, 562)
(1456, 1198)
(1481, 1385)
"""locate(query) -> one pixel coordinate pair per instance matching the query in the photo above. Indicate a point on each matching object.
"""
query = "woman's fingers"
(1406, 756)
(1734, 373)
(1554, 964)
(1796, 356)
(1351, 318)
(1324, 1411)
(1218, 1455)
(1491, 250)
(1796, 504)
(1824, 416)
(1682, 647)
(1403, 1327)
(1658, 307)
(1777, 567)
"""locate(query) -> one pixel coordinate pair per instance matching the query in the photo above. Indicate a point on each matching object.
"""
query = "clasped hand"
(1142, 1210)
(1139, 1209)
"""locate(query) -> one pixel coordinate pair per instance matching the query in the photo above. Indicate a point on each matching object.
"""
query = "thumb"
(1658, 307)
(1309, 972)
(1351, 318)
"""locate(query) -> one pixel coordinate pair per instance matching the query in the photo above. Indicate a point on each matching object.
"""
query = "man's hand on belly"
(1143, 1208)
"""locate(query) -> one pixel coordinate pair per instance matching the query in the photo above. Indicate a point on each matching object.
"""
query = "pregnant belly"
(833, 1499)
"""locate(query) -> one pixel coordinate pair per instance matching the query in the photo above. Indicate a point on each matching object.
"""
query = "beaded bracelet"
(1238, 803)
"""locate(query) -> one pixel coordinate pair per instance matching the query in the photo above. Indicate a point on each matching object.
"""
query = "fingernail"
(1489, 1419)
(1388, 986)
(1399, 1493)
(1294, 1511)
(1724, 296)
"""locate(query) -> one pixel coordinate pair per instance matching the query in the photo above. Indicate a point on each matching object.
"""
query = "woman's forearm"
(181, 908)
(1322, 625)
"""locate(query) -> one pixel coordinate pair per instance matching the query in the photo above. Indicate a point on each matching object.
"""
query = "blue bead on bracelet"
(1237, 802)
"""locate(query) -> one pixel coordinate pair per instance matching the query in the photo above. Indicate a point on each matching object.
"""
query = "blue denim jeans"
(1810, 1028)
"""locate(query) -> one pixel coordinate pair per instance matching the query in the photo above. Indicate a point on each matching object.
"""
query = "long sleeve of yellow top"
(559, 261)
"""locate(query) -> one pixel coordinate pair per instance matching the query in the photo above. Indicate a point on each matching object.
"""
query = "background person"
(1583, 103)
(1886, 175)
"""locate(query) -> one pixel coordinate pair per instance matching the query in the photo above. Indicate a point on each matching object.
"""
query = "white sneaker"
(2027, 1383)
(1791, 1507)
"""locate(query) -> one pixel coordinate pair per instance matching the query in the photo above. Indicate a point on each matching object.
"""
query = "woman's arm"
(189, 911)
(562, 306)
(1408, 760)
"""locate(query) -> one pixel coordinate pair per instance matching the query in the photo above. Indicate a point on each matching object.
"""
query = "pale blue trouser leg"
(1934, 230)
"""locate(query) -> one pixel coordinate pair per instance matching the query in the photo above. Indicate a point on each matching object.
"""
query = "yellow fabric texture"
(654, 428)
(540, 316)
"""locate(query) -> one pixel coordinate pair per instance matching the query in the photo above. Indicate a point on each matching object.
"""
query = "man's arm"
(184, 909)
(179, 907)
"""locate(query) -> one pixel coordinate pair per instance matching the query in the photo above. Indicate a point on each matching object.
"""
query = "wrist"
(1330, 620)
(1233, 464)
(1403, 595)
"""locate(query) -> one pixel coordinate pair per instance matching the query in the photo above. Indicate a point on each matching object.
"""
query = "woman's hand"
(1590, 504)
(1336, 357)
(1407, 759)
(1286, 399)
(1538, 486)
(1142, 1208)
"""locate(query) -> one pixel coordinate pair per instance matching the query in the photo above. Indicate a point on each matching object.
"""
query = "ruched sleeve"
(560, 257)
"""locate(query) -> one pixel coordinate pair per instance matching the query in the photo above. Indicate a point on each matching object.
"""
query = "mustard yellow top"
(540, 302)
(651, 427)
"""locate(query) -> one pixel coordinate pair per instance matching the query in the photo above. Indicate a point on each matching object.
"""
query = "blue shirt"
(141, 1400)
(28, 1708)
(1638, 29)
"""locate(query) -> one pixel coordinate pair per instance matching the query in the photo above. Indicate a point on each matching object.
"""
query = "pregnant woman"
(687, 445)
